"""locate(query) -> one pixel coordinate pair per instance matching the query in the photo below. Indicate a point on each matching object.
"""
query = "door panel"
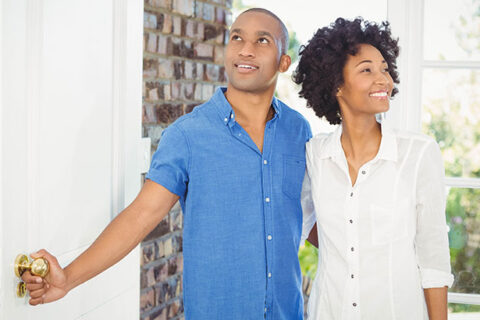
(63, 66)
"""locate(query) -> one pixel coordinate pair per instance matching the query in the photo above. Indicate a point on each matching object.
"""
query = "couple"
(237, 164)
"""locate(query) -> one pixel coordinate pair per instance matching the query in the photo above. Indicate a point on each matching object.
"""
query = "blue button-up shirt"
(242, 213)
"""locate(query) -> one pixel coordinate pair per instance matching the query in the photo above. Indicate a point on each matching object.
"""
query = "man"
(236, 163)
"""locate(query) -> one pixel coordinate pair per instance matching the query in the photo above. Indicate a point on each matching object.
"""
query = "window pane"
(463, 311)
(451, 30)
(463, 218)
(451, 114)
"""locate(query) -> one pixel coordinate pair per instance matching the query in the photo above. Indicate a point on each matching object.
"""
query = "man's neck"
(251, 109)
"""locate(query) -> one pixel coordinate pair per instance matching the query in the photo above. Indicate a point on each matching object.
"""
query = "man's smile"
(245, 67)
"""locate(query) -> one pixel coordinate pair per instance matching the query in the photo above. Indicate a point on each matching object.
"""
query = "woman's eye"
(386, 70)
(366, 70)
(263, 40)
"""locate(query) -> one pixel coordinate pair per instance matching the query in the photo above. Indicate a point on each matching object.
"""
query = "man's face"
(253, 54)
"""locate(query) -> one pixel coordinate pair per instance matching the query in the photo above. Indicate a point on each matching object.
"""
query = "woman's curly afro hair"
(320, 69)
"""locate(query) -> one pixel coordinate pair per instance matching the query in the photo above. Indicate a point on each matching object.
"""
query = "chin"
(247, 86)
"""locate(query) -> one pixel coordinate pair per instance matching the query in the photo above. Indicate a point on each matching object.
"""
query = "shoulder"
(415, 139)
(319, 140)
(292, 115)
(193, 120)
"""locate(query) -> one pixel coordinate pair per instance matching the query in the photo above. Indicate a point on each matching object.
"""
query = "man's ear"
(285, 62)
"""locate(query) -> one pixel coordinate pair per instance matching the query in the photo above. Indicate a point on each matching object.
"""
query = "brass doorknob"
(38, 267)
(21, 289)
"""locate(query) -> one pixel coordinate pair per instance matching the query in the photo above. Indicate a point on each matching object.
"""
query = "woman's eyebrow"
(368, 61)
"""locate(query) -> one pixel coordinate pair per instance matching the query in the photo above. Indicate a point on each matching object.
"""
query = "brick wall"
(182, 66)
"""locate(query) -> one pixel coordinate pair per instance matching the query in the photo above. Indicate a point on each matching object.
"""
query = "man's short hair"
(285, 37)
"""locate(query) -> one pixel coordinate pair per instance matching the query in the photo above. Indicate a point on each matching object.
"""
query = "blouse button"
(364, 172)
(354, 304)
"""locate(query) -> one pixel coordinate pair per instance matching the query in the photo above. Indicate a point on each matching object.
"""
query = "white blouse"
(382, 241)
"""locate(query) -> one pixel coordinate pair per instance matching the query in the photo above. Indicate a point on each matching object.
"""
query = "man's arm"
(122, 235)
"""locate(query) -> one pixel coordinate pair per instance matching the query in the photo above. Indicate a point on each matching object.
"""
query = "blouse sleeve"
(309, 217)
(431, 240)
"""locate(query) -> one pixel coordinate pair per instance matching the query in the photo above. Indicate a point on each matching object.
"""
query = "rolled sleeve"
(170, 163)
(431, 240)
(308, 209)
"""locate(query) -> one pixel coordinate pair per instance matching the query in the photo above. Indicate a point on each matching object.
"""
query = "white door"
(70, 132)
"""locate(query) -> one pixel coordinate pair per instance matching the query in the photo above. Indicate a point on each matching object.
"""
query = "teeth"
(379, 94)
(246, 66)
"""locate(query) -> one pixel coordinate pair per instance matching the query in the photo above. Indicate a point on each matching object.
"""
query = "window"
(441, 78)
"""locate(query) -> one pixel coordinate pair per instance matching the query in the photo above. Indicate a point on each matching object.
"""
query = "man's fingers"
(27, 277)
(35, 302)
(45, 254)
(35, 286)
(35, 294)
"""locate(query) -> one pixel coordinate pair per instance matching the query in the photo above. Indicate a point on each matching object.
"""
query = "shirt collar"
(387, 151)
(226, 112)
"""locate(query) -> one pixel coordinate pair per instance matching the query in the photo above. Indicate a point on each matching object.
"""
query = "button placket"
(269, 197)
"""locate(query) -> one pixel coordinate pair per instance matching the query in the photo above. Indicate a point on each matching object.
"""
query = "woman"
(378, 194)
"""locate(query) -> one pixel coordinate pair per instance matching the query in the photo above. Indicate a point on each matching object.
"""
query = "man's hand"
(122, 235)
(52, 287)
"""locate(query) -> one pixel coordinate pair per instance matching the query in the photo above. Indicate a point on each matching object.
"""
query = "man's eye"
(263, 40)
(235, 37)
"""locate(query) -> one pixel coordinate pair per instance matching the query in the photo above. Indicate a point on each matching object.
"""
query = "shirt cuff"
(167, 180)
(432, 278)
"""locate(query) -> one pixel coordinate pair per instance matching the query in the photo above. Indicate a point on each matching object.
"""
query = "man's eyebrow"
(236, 30)
(265, 33)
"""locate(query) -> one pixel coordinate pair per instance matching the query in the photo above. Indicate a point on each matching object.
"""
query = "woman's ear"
(339, 92)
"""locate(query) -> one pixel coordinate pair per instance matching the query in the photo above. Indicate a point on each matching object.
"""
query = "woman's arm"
(436, 299)
(431, 239)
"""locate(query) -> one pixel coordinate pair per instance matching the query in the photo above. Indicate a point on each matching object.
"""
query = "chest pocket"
(293, 174)
(389, 221)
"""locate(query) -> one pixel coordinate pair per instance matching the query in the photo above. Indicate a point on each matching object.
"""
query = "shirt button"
(265, 309)
(351, 194)
(269, 274)
(239, 134)
(267, 199)
(231, 116)
(265, 162)
(364, 172)
(226, 119)
(354, 304)
(352, 248)
(269, 237)
(352, 276)
(351, 221)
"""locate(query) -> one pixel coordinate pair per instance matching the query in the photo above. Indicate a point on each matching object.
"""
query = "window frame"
(407, 19)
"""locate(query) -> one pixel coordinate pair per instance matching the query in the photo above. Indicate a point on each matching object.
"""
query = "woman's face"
(367, 83)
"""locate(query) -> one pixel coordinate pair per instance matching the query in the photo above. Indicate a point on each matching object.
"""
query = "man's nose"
(247, 50)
